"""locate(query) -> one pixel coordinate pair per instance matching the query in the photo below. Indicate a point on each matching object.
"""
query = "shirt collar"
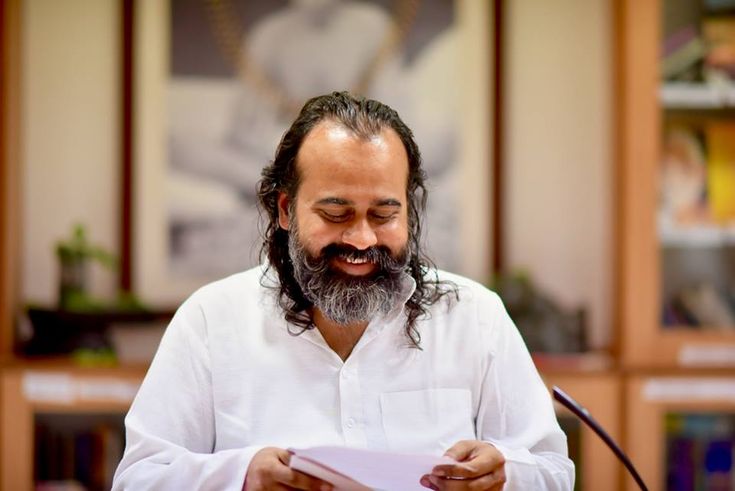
(408, 287)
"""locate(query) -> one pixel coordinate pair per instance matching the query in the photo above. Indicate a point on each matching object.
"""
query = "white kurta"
(229, 378)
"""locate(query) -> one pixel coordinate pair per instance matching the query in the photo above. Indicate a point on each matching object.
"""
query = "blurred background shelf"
(697, 235)
(673, 173)
(680, 430)
(40, 400)
(696, 95)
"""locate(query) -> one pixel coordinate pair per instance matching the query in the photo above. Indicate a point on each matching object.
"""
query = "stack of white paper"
(352, 469)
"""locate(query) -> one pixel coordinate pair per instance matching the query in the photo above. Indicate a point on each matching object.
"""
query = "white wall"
(71, 117)
(558, 214)
(559, 86)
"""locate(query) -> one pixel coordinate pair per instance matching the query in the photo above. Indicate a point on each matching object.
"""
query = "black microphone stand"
(582, 413)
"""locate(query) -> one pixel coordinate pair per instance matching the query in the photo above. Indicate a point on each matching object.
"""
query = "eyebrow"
(388, 202)
(343, 202)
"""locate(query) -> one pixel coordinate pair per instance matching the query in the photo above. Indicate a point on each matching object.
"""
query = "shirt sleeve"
(516, 414)
(170, 428)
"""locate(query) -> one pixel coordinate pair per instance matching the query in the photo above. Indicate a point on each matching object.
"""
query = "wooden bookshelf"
(10, 154)
(644, 343)
(667, 369)
(53, 387)
(650, 397)
(637, 128)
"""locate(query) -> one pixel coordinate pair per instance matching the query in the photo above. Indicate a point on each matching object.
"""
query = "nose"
(360, 235)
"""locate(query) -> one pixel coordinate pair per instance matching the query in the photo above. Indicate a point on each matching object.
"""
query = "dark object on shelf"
(63, 332)
(719, 6)
(572, 428)
(545, 327)
(77, 451)
(700, 306)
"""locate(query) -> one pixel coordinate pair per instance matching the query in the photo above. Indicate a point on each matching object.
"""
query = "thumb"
(461, 451)
(284, 456)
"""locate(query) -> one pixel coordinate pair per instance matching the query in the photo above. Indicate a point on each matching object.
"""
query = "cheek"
(395, 234)
(316, 234)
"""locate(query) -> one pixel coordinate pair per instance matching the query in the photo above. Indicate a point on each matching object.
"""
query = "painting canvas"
(217, 84)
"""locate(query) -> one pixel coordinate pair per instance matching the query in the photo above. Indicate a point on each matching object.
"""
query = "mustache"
(380, 255)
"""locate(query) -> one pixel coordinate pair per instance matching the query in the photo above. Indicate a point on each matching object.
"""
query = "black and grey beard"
(343, 298)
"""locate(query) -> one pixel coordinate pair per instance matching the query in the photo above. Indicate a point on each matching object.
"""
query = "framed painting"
(216, 83)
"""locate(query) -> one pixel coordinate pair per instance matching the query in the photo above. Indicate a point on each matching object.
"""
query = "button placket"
(351, 406)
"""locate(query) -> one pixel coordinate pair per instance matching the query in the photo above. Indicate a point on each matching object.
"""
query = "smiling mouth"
(351, 260)
(355, 266)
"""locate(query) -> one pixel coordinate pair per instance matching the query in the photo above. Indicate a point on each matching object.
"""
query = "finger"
(295, 479)
(483, 459)
(305, 481)
(284, 456)
(270, 485)
(492, 481)
(462, 470)
(298, 480)
(426, 482)
(498, 487)
(461, 450)
(282, 473)
(500, 484)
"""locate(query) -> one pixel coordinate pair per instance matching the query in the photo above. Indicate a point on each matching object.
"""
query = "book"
(721, 171)
(719, 36)
(699, 451)
(354, 469)
(683, 178)
(710, 309)
(79, 450)
(680, 52)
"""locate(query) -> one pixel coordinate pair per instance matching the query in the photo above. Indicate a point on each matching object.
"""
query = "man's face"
(352, 192)
(348, 225)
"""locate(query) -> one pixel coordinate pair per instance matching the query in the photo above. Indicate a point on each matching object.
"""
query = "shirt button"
(350, 423)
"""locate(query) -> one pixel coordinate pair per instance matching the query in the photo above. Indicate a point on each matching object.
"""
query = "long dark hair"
(365, 118)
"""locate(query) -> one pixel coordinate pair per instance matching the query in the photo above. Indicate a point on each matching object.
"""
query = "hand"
(480, 466)
(269, 470)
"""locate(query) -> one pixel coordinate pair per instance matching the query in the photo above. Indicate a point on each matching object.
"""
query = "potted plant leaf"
(75, 256)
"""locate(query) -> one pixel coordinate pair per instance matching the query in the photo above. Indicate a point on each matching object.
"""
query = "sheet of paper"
(340, 481)
(377, 470)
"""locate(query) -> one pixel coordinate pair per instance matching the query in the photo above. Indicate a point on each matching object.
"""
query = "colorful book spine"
(71, 456)
(721, 171)
(699, 452)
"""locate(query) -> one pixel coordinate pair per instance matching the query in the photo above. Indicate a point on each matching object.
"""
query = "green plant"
(78, 249)
(75, 255)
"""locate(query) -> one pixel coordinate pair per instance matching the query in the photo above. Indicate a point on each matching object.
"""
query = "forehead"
(333, 159)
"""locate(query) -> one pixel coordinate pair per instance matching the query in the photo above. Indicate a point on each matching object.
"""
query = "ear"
(283, 204)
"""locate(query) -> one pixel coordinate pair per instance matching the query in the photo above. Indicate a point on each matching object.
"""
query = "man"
(344, 337)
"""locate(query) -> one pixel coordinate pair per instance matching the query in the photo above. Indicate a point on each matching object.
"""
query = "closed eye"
(335, 217)
(384, 217)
